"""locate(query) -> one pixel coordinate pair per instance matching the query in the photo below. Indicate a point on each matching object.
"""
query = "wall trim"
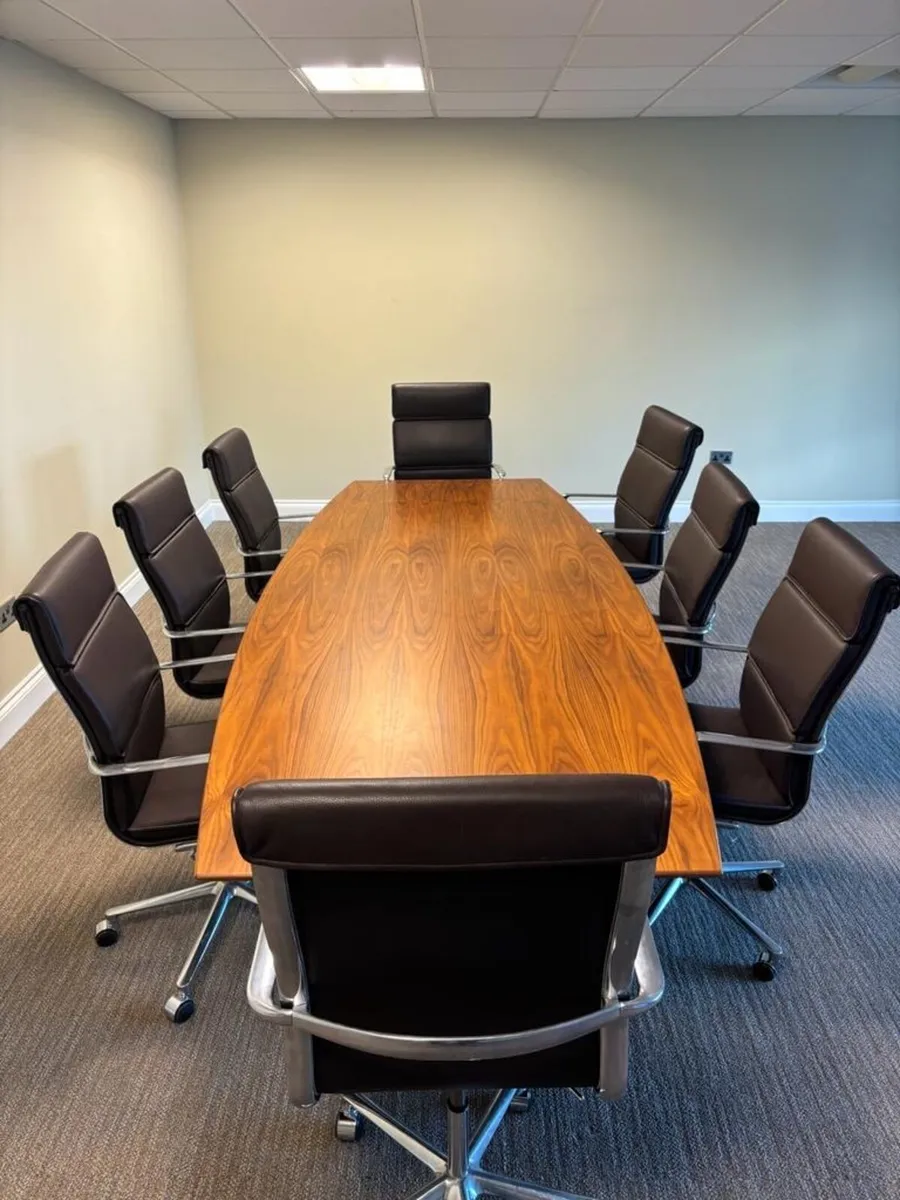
(18, 706)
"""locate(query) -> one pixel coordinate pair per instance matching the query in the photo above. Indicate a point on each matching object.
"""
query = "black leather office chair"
(505, 924)
(230, 460)
(809, 642)
(442, 431)
(151, 775)
(648, 487)
(700, 559)
(183, 570)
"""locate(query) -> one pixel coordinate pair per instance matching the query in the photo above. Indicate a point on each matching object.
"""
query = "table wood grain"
(466, 627)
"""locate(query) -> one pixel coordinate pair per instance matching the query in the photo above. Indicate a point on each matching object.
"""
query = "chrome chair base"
(765, 966)
(180, 1005)
(458, 1174)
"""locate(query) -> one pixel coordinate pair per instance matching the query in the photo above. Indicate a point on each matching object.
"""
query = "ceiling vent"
(856, 76)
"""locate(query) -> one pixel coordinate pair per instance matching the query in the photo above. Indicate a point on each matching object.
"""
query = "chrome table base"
(458, 1174)
(180, 1005)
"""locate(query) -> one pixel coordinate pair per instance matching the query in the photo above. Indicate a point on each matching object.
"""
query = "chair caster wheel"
(764, 968)
(522, 1101)
(106, 933)
(347, 1125)
(767, 881)
(179, 1007)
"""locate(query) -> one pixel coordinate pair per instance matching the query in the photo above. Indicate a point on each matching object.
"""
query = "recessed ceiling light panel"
(388, 78)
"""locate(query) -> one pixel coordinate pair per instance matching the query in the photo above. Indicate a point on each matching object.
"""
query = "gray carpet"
(782, 1091)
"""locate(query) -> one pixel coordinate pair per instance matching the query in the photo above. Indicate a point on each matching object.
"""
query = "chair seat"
(209, 682)
(171, 804)
(741, 787)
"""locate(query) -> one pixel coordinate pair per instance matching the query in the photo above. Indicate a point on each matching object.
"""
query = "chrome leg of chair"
(180, 1005)
(244, 893)
(195, 892)
(665, 898)
(752, 868)
(765, 966)
(460, 1176)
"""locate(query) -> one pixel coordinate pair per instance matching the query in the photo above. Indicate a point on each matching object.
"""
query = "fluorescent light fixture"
(388, 78)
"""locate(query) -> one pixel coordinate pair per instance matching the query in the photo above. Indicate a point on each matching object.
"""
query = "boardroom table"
(441, 628)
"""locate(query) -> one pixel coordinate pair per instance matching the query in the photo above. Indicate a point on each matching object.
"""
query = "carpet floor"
(738, 1089)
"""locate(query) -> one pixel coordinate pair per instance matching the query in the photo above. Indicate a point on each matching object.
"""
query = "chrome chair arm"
(388, 474)
(590, 495)
(106, 770)
(261, 987)
(805, 749)
(698, 631)
(651, 529)
(727, 646)
(196, 662)
(248, 574)
(192, 633)
(261, 553)
(501, 474)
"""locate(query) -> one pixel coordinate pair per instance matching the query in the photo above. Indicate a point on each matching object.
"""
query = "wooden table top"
(470, 627)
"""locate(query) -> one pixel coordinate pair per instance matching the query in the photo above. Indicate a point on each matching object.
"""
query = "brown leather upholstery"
(175, 555)
(247, 500)
(444, 823)
(488, 908)
(442, 430)
(701, 557)
(649, 486)
(101, 661)
(809, 642)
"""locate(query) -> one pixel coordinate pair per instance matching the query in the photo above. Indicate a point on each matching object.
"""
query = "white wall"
(743, 272)
(97, 386)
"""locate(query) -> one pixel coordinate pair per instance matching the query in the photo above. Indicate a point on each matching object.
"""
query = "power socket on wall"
(7, 616)
(721, 456)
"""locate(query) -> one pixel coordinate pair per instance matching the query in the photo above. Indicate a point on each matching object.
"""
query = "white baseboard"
(286, 508)
(601, 511)
(19, 705)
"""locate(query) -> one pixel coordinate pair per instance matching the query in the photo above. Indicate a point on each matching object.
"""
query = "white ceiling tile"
(510, 79)
(774, 78)
(498, 51)
(504, 18)
(646, 51)
(131, 80)
(757, 50)
(453, 102)
(885, 54)
(331, 18)
(596, 79)
(660, 17)
(118, 19)
(170, 101)
(598, 104)
(701, 101)
(352, 52)
(502, 114)
(237, 81)
(28, 21)
(307, 114)
(202, 53)
(811, 102)
(377, 101)
(85, 52)
(889, 107)
(298, 101)
(834, 17)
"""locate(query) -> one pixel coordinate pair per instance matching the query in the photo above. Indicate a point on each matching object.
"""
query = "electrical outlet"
(7, 617)
(721, 456)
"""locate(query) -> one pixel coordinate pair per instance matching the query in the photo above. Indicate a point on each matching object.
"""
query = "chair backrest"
(176, 557)
(247, 500)
(442, 430)
(809, 642)
(652, 479)
(491, 905)
(701, 557)
(102, 663)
